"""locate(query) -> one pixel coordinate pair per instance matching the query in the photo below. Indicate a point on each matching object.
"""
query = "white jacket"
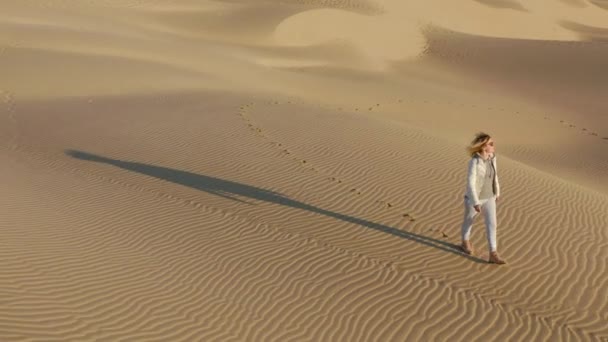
(475, 178)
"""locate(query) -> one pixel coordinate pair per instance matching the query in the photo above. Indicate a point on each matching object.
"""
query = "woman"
(482, 193)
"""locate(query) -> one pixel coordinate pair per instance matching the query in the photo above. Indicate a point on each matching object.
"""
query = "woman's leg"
(469, 218)
(489, 213)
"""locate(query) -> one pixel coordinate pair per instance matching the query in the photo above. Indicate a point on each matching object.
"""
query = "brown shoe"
(495, 259)
(467, 247)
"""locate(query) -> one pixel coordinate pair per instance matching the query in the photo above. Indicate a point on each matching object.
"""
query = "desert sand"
(294, 170)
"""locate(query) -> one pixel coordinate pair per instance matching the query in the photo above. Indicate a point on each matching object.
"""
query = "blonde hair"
(478, 142)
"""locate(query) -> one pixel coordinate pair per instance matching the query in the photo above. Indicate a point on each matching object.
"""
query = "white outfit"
(475, 179)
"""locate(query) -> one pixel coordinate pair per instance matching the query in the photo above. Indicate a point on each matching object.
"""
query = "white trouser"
(488, 208)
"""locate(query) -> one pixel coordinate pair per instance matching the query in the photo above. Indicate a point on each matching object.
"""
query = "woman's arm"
(496, 175)
(472, 181)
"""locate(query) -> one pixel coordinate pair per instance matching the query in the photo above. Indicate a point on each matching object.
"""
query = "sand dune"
(294, 170)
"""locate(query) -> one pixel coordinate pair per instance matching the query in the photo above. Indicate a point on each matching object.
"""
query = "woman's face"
(489, 146)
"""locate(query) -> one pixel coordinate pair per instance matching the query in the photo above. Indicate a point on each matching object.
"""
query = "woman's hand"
(477, 208)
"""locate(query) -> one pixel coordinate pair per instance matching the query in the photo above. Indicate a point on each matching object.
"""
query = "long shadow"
(228, 189)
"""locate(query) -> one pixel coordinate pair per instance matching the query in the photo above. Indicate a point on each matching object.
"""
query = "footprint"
(386, 204)
(410, 216)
